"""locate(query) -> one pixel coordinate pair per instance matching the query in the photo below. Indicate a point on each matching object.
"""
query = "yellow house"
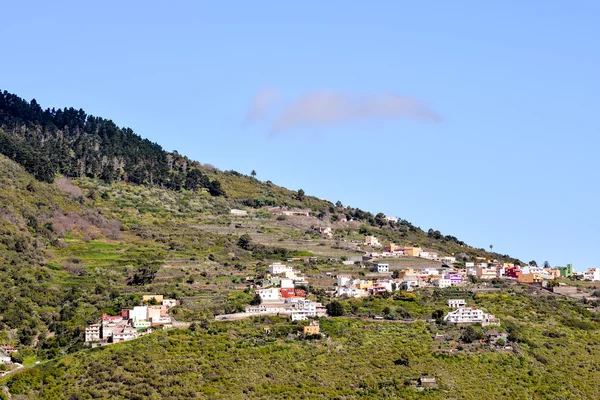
(312, 329)
(364, 284)
(412, 251)
(157, 297)
(529, 278)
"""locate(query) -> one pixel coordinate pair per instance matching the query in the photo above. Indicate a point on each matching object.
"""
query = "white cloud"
(324, 107)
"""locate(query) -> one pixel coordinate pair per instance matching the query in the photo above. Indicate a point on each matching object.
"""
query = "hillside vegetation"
(556, 346)
(92, 217)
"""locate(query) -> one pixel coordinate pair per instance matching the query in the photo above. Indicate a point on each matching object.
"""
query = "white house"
(442, 282)
(279, 268)
(4, 358)
(470, 315)
(293, 275)
(343, 280)
(92, 333)
(391, 219)
(592, 274)
(124, 333)
(238, 212)
(287, 284)
(169, 303)
(139, 313)
(469, 264)
(456, 303)
(270, 294)
(298, 316)
(429, 271)
(372, 241)
(266, 309)
(381, 268)
(351, 292)
(449, 260)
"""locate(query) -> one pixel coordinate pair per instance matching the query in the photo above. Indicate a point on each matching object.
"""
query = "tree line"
(72, 143)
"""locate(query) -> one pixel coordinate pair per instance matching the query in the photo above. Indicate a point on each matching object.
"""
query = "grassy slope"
(555, 359)
(82, 271)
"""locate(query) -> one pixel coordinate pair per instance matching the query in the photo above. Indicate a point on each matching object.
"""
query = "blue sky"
(511, 162)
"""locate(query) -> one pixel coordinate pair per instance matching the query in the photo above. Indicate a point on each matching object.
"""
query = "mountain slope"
(89, 243)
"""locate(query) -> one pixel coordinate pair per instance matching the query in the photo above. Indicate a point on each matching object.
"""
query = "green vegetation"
(95, 216)
(549, 357)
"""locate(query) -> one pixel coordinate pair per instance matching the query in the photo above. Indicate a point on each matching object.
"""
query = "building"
(124, 333)
(139, 313)
(325, 232)
(160, 321)
(427, 382)
(456, 303)
(429, 272)
(592, 274)
(238, 212)
(286, 284)
(169, 303)
(271, 309)
(8, 349)
(155, 312)
(138, 324)
(92, 333)
(296, 316)
(486, 273)
(513, 272)
(372, 241)
(279, 268)
(552, 272)
(381, 268)
(392, 248)
(4, 358)
(290, 213)
(271, 294)
(454, 277)
(566, 272)
(448, 260)
(469, 264)
(412, 251)
(312, 329)
(111, 318)
(343, 280)
(108, 328)
(391, 219)
(442, 282)
(470, 315)
(529, 278)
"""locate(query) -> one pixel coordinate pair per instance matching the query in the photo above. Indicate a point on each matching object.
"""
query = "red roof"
(106, 317)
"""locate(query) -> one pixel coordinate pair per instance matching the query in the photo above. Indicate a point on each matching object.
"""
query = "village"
(132, 323)
(283, 292)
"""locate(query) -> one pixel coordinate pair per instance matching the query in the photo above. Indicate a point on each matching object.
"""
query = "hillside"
(92, 217)
(75, 247)
(556, 345)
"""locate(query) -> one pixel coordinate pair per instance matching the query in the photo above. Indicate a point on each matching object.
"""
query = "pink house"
(455, 278)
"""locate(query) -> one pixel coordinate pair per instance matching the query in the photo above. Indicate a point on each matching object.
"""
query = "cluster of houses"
(403, 279)
(131, 322)
(468, 315)
(394, 250)
(409, 278)
(283, 297)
